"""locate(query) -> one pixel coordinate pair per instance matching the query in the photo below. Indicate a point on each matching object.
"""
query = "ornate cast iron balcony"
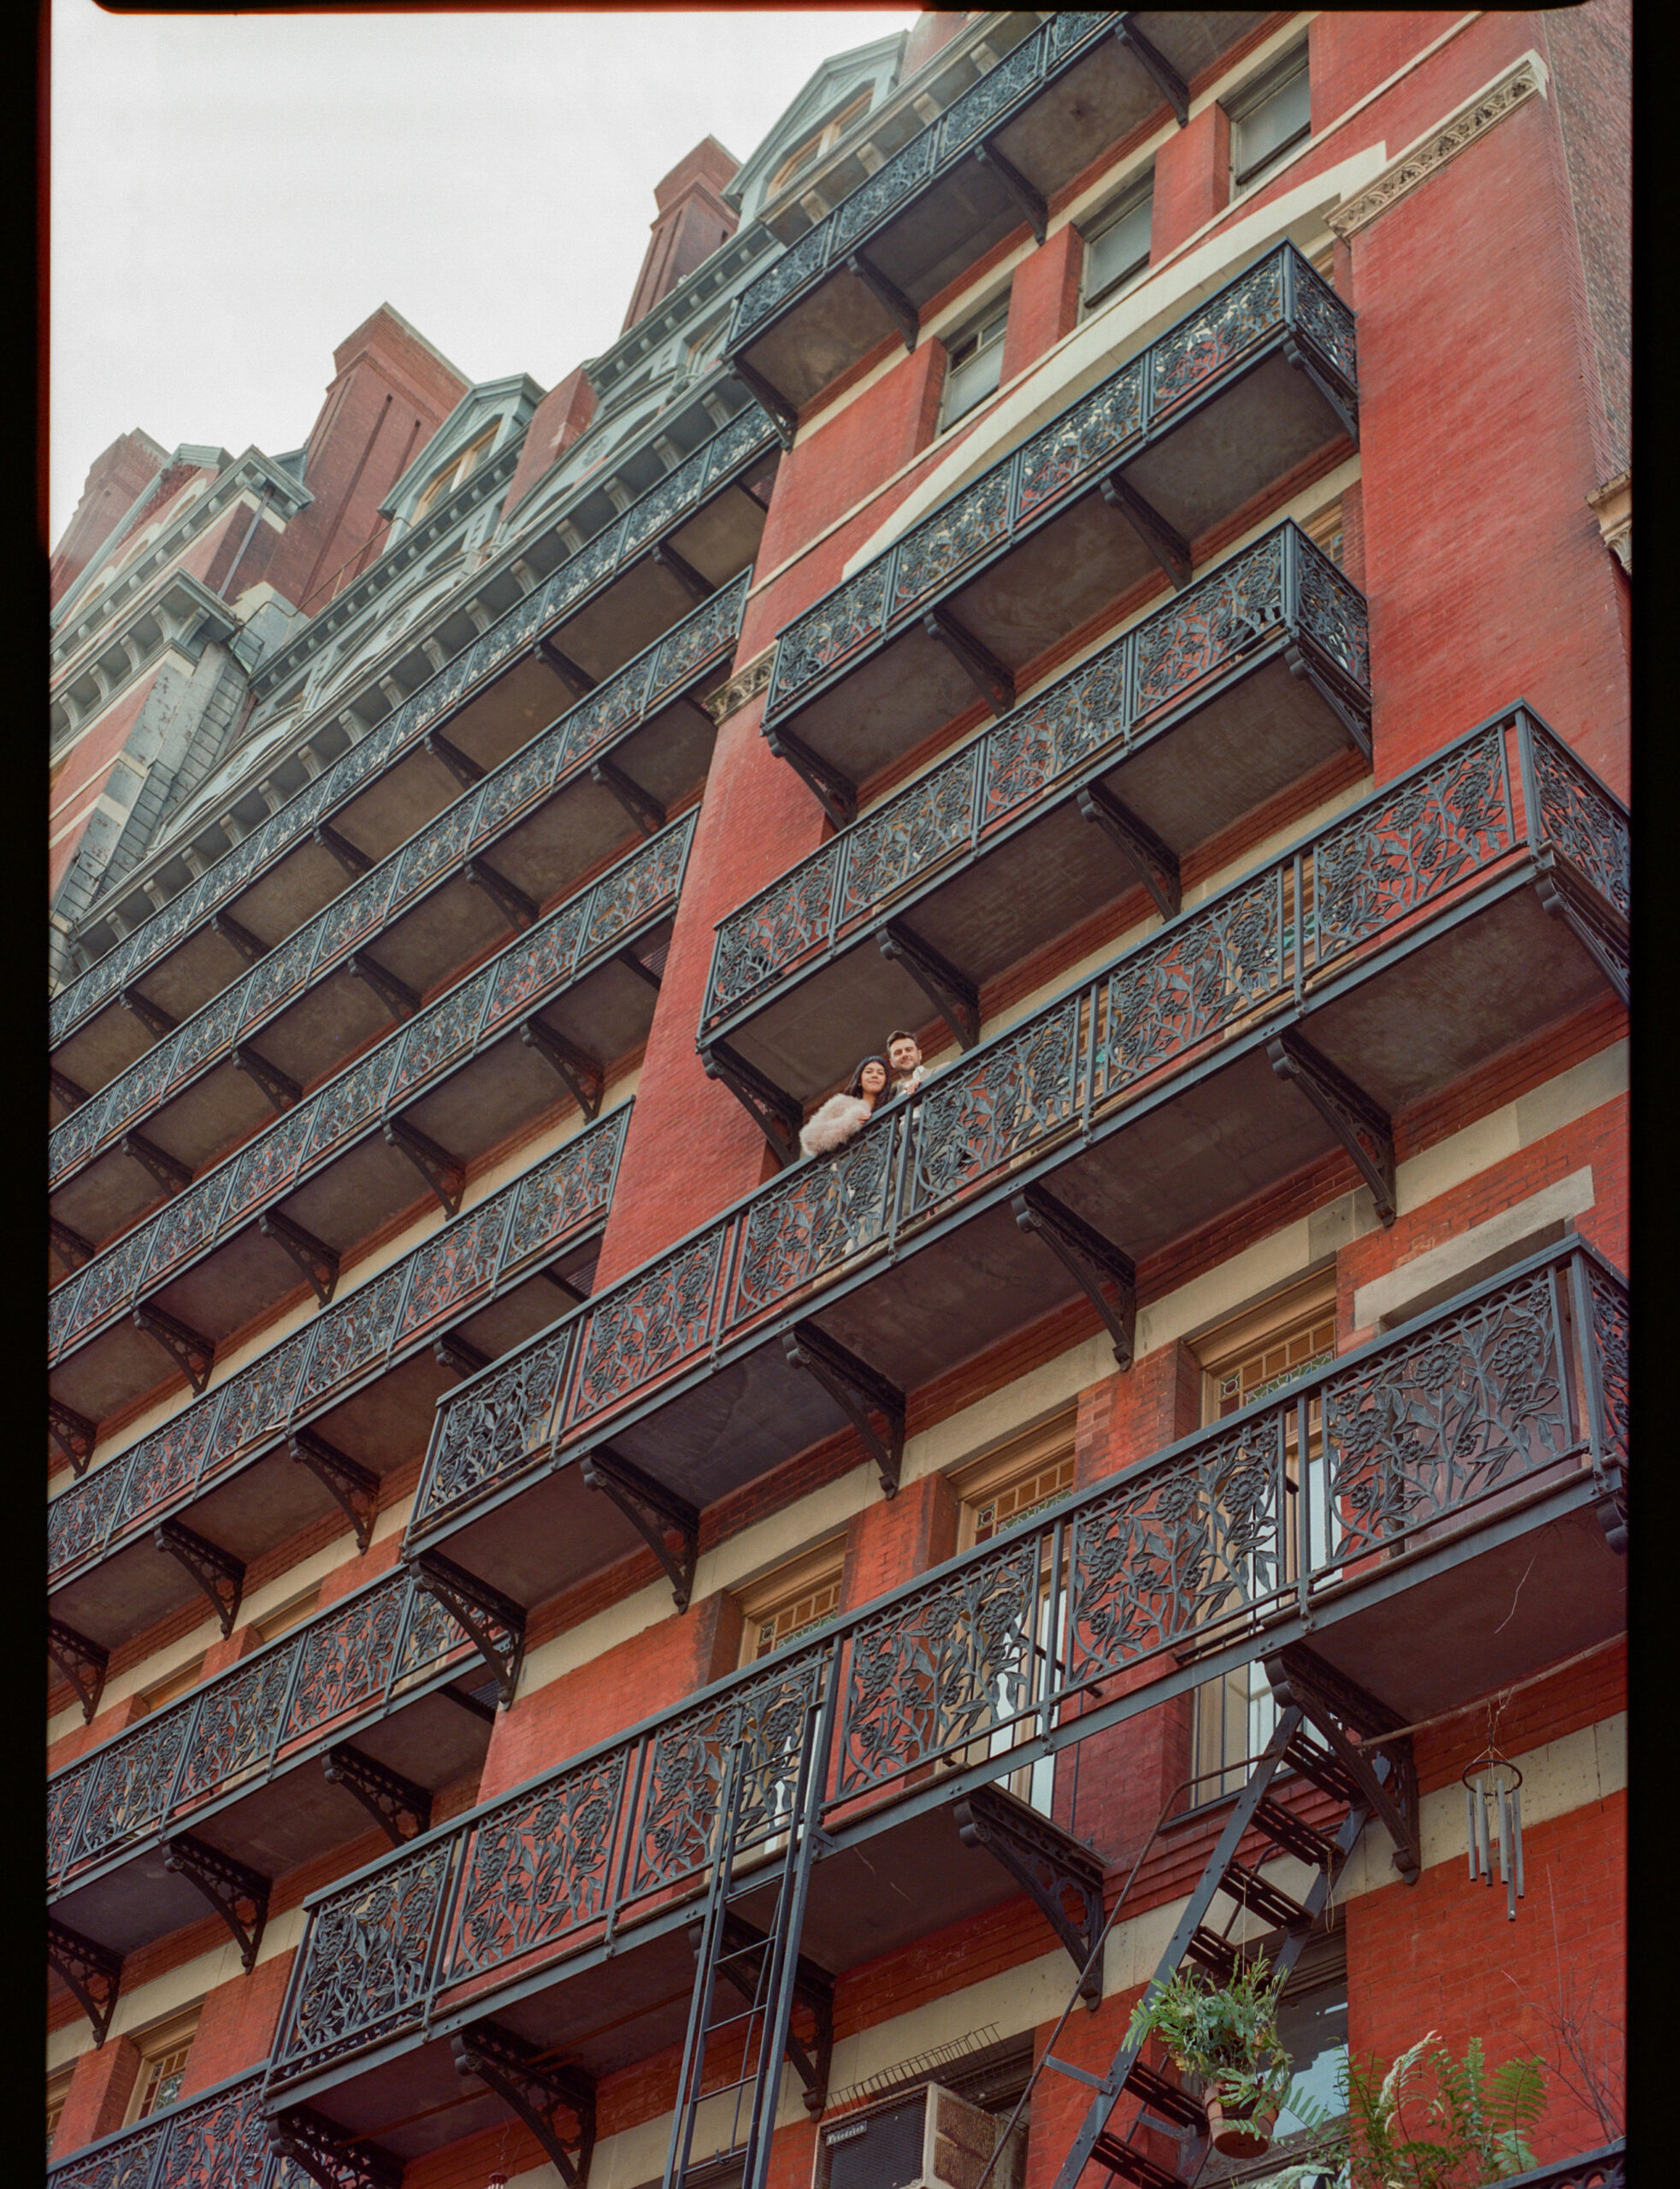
(1078, 84)
(458, 1078)
(1247, 1039)
(214, 2141)
(1489, 1435)
(1195, 717)
(543, 816)
(635, 537)
(330, 1398)
(1607, 2167)
(1188, 431)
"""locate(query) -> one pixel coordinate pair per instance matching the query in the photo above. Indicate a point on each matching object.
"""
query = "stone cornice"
(197, 615)
(747, 683)
(1524, 80)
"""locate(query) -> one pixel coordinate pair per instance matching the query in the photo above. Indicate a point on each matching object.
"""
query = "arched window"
(453, 473)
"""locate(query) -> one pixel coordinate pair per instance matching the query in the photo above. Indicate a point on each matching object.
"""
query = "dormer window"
(453, 473)
(808, 154)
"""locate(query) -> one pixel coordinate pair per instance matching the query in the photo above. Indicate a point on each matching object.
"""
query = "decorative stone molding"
(746, 684)
(1521, 82)
(1613, 505)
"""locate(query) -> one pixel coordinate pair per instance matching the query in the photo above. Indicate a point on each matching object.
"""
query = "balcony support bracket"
(279, 1089)
(1165, 541)
(771, 1108)
(836, 793)
(194, 1355)
(217, 1572)
(76, 1250)
(492, 1623)
(232, 930)
(1157, 862)
(1360, 1125)
(1088, 1259)
(990, 677)
(652, 1510)
(346, 1481)
(73, 1433)
(952, 993)
(1353, 714)
(643, 808)
(318, 1261)
(152, 1015)
(1168, 80)
(1034, 210)
(66, 1088)
(92, 1973)
(577, 681)
(401, 1809)
(1387, 1782)
(776, 407)
(1057, 1871)
(465, 769)
(229, 1886)
(887, 294)
(698, 589)
(444, 1173)
(856, 1389)
(585, 1079)
(742, 1951)
(397, 997)
(458, 1355)
(1326, 386)
(519, 909)
(1600, 930)
(173, 1175)
(350, 856)
(82, 1662)
(328, 2156)
(535, 2090)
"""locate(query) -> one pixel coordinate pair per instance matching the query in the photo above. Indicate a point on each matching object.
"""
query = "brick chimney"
(114, 480)
(692, 221)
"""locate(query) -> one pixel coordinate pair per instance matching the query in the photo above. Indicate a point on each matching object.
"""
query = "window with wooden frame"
(163, 2051)
(806, 155)
(292, 1612)
(1269, 116)
(792, 1600)
(1324, 529)
(974, 355)
(172, 1686)
(1116, 243)
(58, 2089)
(455, 473)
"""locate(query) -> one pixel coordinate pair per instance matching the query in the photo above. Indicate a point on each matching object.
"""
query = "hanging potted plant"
(1226, 2035)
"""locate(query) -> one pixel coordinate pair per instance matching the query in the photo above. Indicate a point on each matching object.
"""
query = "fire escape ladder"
(747, 1978)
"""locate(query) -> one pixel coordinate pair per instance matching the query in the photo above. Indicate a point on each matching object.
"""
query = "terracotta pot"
(1242, 2132)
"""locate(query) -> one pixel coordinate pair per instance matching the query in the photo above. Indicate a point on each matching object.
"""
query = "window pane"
(1118, 249)
(972, 380)
(1274, 122)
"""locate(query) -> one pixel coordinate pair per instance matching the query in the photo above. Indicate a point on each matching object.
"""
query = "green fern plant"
(1467, 2129)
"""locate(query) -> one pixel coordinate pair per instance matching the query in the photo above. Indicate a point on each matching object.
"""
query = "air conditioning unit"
(929, 2139)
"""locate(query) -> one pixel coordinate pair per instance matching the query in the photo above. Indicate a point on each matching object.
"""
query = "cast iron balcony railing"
(1235, 396)
(470, 828)
(492, 1007)
(1488, 1419)
(216, 2139)
(1436, 880)
(1607, 2167)
(1073, 87)
(1184, 672)
(713, 465)
(544, 1219)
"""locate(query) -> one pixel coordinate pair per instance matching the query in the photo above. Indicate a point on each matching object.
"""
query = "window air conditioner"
(929, 2139)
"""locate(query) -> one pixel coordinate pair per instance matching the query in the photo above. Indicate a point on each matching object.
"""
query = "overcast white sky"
(232, 194)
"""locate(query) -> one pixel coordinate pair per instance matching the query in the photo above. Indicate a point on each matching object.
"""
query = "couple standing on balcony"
(877, 1080)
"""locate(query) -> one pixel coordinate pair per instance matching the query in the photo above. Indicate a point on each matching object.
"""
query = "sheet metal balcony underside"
(1402, 1024)
(371, 1185)
(950, 222)
(427, 945)
(607, 628)
(1423, 1636)
(1054, 576)
(1023, 888)
(382, 1423)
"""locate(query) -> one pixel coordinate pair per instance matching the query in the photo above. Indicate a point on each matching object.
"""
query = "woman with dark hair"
(843, 1115)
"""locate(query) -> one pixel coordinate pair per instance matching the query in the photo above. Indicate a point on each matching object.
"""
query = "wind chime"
(1494, 1812)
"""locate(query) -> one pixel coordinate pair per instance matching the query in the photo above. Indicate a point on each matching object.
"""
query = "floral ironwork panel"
(65, 1795)
(1069, 27)
(1325, 319)
(513, 787)
(1211, 626)
(639, 1329)
(357, 912)
(625, 897)
(675, 493)
(133, 1778)
(354, 1099)
(1087, 437)
(368, 1955)
(210, 1030)
(825, 1211)
(270, 1162)
(773, 931)
(1228, 324)
(950, 1664)
(430, 1635)
(259, 1399)
(1587, 828)
(703, 634)
(126, 2165)
(286, 966)
(442, 1035)
(166, 1462)
(353, 1333)
(84, 1129)
(1334, 612)
(436, 847)
(112, 1279)
(840, 623)
(1206, 971)
(220, 2144)
(141, 1084)
(1611, 1337)
(791, 271)
(964, 527)
(612, 707)
(537, 1868)
(238, 1719)
(1175, 1551)
(80, 1519)
(920, 826)
(492, 1426)
(1055, 732)
(982, 103)
(458, 1263)
(1398, 851)
(63, 1312)
(570, 1186)
(536, 965)
(188, 1222)
(1476, 1401)
(988, 1109)
(346, 1659)
(886, 187)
